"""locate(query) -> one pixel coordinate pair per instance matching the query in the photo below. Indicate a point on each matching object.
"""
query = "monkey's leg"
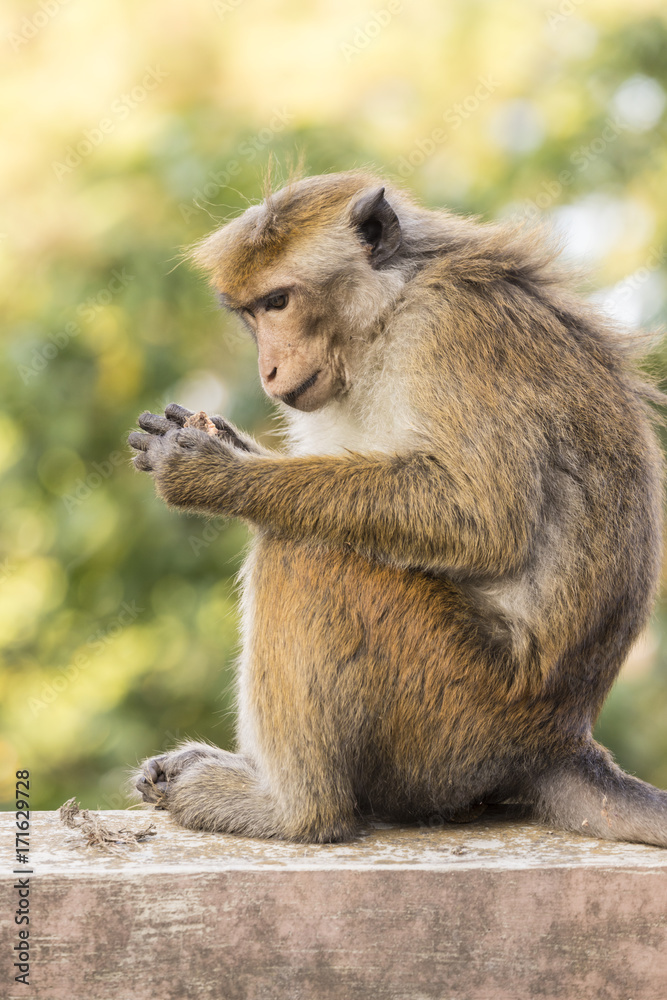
(360, 689)
(205, 788)
(359, 692)
(590, 794)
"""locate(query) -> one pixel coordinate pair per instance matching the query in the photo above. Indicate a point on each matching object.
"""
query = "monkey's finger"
(141, 442)
(223, 425)
(142, 462)
(177, 413)
(154, 423)
(228, 433)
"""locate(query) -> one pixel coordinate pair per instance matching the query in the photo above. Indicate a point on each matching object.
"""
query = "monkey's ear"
(377, 225)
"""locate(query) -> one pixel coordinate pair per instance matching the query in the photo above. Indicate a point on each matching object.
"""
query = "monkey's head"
(310, 271)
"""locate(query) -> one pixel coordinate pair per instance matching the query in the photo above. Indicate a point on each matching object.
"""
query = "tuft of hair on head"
(293, 213)
(269, 181)
(276, 179)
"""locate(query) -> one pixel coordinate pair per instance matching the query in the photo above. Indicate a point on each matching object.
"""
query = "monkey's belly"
(375, 670)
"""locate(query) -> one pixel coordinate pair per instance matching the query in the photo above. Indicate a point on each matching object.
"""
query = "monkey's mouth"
(291, 397)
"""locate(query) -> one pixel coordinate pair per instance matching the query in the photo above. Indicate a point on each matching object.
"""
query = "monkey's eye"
(278, 301)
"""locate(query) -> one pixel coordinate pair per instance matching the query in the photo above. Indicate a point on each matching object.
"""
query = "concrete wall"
(495, 910)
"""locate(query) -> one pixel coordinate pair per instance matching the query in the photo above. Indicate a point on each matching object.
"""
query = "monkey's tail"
(590, 794)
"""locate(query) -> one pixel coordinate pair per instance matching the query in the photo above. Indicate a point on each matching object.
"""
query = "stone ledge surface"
(492, 910)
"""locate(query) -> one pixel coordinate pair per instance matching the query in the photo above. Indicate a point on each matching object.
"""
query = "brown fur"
(458, 551)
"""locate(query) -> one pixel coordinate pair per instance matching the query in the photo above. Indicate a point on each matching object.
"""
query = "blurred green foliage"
(133, 129)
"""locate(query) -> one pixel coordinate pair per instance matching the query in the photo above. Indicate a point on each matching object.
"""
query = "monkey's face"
(299, 354)
(310, 272)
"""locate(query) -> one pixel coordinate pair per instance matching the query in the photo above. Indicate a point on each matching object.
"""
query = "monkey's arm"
(409, 510)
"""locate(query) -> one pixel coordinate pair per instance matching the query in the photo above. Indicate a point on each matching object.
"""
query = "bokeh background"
(130, 130)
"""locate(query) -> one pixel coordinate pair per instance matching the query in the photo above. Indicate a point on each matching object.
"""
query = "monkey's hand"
(176, 416)
(186, 461)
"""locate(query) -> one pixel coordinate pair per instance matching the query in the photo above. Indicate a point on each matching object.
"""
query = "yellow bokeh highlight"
(26, 592)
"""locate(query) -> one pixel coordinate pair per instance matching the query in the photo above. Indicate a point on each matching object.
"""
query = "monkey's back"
(538, 396)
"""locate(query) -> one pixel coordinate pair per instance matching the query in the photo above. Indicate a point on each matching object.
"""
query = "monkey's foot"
(157, 773)
(205, 788)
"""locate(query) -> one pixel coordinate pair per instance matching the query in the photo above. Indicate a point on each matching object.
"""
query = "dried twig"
(97, 833)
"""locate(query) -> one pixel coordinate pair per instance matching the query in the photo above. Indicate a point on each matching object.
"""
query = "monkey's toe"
(156, 776)
(152, 783)
(154, 792)
(153, 769)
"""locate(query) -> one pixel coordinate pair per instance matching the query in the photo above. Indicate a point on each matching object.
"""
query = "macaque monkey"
(456, 552)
